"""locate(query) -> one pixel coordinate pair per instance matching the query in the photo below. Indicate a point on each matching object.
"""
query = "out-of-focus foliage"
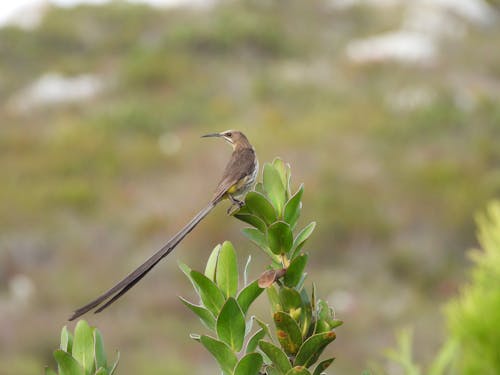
(396, 158)
(473, 317)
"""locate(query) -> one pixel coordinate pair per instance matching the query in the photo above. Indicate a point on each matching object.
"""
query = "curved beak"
(211, 135)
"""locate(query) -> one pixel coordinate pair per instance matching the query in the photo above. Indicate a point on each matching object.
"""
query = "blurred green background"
(388, 111)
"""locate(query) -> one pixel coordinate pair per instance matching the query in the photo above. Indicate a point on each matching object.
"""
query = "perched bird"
(238, 177)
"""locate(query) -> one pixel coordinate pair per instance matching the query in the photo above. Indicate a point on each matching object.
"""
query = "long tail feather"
(135, 276)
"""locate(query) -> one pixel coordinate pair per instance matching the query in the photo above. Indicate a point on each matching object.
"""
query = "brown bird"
(238, 177)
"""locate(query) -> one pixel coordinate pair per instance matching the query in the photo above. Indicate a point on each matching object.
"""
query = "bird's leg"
(234, 202)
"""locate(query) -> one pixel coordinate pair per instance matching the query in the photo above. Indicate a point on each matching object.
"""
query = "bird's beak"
(211, 135)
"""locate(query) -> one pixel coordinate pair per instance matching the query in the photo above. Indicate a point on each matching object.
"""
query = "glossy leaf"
(298, 370)
(211, 266)
(249, 294)
(211, 296)
(259, 239)
(293, 207)
(254, 340)
(205, 316)
(301, 238)
(250, 364)
(226, 275)
(66, 340)
(100, 355)
(222, 353)
(67, 364)
(274, 187)
(83, 346)
(322, 366)
(288, 332)
(276, 355)
(312, 348)
(230, 325)
(101, 371)
(280, 237)
(258, 205)
(295, 270)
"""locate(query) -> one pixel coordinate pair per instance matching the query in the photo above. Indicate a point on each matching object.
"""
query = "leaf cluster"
(304, 325)
(82, 353)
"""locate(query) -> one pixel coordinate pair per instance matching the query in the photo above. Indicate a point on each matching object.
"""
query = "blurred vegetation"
(90, 189)
(472, 317)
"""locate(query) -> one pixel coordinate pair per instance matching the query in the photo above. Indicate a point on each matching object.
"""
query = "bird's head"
(234, 137)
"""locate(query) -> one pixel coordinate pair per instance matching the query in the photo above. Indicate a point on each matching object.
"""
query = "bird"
(237, 179)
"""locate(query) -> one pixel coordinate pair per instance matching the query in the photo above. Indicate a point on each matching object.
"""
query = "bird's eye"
(229, 134)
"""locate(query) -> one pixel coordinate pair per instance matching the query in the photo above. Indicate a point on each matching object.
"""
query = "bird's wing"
(242, 164)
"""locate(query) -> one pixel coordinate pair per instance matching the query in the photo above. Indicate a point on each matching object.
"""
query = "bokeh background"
(388, 111)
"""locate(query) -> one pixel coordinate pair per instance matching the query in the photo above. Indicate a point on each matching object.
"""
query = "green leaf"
(100, 355)
(211, 266)
(306, 314)
(322, 366)
(211, 296)
(263, 326)
(227, 270)
(301, 238)
(291, 301)
(248, 294)
(66, 340)
(259, 239)
(274, 298)
(250, 364)
(67, 364)
(298, 370)
(101, 371)
(312, 348)
(221, 352)
(274, 187)
(251, 219)
(295, 270)
(231, 325)
(254, 340)
(293, 208)
(49, 371)
(280, 237)
(288, 332)
(283, 170)
(205, 316)
(186, 270)
(258, 205)
(83, 346)
(276, 355)
(271, 370)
